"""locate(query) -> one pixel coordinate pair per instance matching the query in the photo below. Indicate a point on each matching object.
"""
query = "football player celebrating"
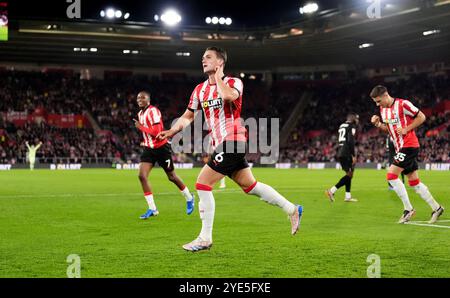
(156, 151)
(220, 98)
(399, 118)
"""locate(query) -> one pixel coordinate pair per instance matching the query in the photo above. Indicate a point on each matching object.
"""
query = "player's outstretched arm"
(181, 123)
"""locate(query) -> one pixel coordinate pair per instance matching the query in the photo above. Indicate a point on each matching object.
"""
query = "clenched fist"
(375, 120)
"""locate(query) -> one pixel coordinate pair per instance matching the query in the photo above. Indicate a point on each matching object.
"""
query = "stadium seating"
(112, 104)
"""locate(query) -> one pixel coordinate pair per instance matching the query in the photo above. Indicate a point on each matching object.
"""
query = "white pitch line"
(229, 190)
(427, 225)
(424, 221)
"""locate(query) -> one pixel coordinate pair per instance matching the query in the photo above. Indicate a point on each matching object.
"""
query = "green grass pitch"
(3, 33)
(47, 215)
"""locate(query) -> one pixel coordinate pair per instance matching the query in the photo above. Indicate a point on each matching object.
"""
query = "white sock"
(187, 195)
(206, 207)
(333, 189)
(348, 195)
(271, 196)
(400, 190)
(150, 201)
(422, 190)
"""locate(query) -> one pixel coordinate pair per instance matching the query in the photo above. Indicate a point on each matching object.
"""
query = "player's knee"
(414, 182)
(203, 187)
(172, 177)
(142, 178)
(248, 188)
(350, 174)
(391, 176)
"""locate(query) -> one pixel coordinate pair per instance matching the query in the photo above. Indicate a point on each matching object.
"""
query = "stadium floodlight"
(93, 49)
(183, 54)
(171, 17)
(102, 13)
(156, 17)
(135, 52)
(76, 49)
(431, 32)
(365, 45)
(309, 8)
(118, 14)
(218, 20)
(126, 51)
(84, 49)
(110, 13)
(242, 75)
(126, 15)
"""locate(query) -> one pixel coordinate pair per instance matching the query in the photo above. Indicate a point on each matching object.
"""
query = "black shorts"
(347, 163)
(406, 159)
(161, 155)
(228, 158)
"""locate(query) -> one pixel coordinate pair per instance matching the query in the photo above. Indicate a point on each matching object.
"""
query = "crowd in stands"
(112, 104)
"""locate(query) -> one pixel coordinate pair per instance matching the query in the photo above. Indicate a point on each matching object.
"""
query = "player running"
(156, 151)
(220, 98)
(32, 153)
(346, 156)
(399, 117)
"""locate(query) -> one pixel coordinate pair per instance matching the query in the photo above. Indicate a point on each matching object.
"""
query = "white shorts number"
(219, 157)
(168, 163)
(400, 157)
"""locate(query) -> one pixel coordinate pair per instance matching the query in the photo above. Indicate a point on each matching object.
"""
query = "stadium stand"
(110, 103)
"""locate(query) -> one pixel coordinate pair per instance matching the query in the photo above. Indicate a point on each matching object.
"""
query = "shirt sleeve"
(155, 116)
(352, 133)
(237, 84)
(409, 109)
(194, 100)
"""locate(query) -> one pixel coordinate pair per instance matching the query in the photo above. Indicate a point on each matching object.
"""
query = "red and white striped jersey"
(150, 117)
(223, 118)
(400, 114)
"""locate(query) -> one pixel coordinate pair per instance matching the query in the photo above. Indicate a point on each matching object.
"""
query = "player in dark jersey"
(346, 157)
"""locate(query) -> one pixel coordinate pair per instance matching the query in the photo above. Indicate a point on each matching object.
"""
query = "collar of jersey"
(216, 83)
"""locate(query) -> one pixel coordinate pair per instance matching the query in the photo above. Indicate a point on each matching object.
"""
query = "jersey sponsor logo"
(393, 121)
(213, 103)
